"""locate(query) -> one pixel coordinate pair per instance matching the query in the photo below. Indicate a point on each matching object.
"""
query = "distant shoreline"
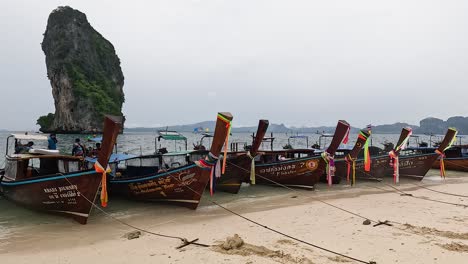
(427, 126)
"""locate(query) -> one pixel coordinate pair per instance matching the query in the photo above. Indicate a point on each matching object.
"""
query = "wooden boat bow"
(448, 140)
(403, 140)
(352, 156)
(361, 141)
(220, 138)
(112, 126)
(341, 134)
(261, 131)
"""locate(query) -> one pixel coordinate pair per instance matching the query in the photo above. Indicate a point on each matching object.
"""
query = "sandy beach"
(422, 231)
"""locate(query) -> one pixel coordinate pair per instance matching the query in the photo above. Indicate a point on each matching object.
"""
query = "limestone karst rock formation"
(84, 72)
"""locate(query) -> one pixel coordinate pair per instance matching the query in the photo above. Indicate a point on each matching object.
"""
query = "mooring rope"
(402, 193)
(125, 223)
(446, 193)
(411, 195)
(342, 209)
(401, 225)
(453, 163)
(275, 230)
(315, 198)
(294, 238)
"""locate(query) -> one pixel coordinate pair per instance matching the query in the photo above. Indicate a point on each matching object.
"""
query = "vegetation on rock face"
(93, 82)
(84, 72)
(45, 122)
(95, 87)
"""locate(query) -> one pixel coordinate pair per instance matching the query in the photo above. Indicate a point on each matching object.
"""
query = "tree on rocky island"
(84, 72)
(45, 122)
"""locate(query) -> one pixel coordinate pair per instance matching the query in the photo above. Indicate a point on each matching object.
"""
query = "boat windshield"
(26, 166)
(14, 140)
(299, 138)
(11, 168)
(169, 136)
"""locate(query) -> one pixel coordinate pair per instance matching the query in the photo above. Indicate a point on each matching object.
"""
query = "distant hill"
(391, 128)
(275, 128)
(428, 125)
(180, 128)
(432, 125)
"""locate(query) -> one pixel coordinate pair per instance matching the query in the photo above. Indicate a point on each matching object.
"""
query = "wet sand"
(426, 232)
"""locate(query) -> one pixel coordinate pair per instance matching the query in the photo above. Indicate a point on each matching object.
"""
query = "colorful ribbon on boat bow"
(330, 161)
(367, 159)
(442, 164)
(394, 160)
(99, 169)
(210, 162)
(228, 126)
(404, 143)
(346, 138)
(252, 168)
(442, 155)
(351, 164)
(395, 163)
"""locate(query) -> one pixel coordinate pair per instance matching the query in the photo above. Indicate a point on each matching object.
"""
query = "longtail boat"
(401, 162)
(415, 164)
(300, 168)
(56, 183)
(181, 182)
(240, 163)
(456, 158)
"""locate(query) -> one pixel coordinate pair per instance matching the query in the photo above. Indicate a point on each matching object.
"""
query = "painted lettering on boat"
(187, 179)
(62, 194)
(374, 163)
(290, 169)
(172, 183)
(406, 163)
(278, 168)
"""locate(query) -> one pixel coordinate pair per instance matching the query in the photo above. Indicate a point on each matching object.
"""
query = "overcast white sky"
(300, 63)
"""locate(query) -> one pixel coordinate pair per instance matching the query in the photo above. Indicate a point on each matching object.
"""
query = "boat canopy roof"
(26, 156)
(29, 136)
(170, 135)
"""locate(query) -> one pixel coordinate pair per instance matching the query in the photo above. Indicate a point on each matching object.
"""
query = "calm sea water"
(13, 217)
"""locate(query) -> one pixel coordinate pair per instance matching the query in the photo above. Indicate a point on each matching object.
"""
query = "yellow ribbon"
(352, 162)
(252, 168)
(354, 171)
(226, 141)
(330, 173)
